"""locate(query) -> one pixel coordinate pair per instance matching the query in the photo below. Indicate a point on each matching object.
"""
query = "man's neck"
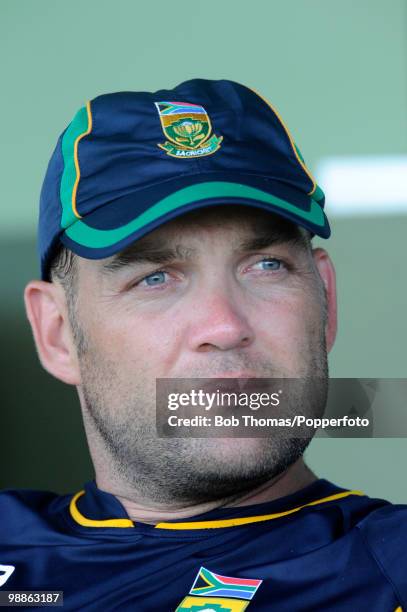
(295, 478)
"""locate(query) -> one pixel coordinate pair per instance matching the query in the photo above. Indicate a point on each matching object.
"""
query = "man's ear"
(326, 271)
(47, 312)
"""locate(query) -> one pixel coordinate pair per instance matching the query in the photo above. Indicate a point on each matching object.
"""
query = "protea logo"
(189, 132)
(188, 129)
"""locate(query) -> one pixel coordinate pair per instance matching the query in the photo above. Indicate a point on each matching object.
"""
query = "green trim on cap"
(88, 236)
(77, 127)
(318, 194)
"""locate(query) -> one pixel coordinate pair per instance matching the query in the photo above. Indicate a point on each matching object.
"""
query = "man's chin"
(238, 449)
(248, 461)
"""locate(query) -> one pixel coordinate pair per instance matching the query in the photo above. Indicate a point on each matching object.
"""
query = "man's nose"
(219, 323)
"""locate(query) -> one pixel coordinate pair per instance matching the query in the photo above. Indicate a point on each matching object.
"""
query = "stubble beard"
(190, 470)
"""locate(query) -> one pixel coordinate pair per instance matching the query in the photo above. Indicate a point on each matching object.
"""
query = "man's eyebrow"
(153, 252)
(264, 239)
(149, 253)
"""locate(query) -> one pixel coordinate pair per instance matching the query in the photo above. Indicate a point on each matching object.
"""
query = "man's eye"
(270, 264)
(157, 278)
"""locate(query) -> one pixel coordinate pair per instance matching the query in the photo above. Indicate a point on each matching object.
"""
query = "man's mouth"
(236, 382)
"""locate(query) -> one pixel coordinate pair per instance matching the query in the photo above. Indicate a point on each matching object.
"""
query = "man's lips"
(235, 382)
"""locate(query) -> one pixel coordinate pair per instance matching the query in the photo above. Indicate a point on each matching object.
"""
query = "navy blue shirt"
(322, 548)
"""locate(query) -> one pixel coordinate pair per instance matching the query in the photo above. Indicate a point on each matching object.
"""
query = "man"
(175, 241)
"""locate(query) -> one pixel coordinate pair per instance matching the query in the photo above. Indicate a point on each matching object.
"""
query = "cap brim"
(115, 225)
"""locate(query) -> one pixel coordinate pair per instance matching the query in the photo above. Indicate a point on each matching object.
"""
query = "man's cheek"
(280, 319)
(139, 347)
(285, 331)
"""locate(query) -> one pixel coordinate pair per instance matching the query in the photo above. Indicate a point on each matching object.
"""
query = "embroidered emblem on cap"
(188, 129)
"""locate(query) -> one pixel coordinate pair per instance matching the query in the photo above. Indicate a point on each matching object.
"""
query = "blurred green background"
(337, 72)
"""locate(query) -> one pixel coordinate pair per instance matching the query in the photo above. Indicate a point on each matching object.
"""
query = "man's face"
(216, 293)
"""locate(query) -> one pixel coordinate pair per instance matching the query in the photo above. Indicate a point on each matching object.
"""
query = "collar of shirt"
(92, 508)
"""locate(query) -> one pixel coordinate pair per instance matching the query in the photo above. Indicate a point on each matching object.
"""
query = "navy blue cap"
(130, 161)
